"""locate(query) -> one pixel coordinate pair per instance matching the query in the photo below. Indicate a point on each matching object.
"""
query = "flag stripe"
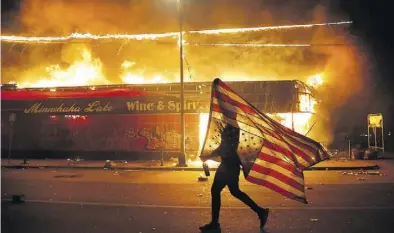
(279, 176)
(278, 162)
(250, 129)
(227, 91)
(275, 144)
(276, 188)
(278, 155)
(233, 111)
(282, 151)
(224, 89)
(275, 181)
(251, 117)
(297, 149)
(227, 99)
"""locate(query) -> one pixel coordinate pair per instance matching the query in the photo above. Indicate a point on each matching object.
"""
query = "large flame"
(130, 77)
(84, 71)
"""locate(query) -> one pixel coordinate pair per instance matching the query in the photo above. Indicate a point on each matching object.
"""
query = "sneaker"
(263, 216)
(211, 227)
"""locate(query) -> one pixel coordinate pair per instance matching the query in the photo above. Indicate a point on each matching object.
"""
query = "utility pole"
(182, 156)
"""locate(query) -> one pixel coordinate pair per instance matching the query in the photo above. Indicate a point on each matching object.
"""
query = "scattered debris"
(361, 178)
(109, 164)
(314, 219)
(374, 173)
(202, 178)
(308, 188)
(361, 173)
(68, 176)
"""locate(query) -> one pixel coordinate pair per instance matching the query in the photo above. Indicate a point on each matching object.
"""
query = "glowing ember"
(127, 64)
(315, 80)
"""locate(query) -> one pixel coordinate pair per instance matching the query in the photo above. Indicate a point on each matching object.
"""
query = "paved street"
(67, 200)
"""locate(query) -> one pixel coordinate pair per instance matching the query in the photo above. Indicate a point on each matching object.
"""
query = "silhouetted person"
(228, 174)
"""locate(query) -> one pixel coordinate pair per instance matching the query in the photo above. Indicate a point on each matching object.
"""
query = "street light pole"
(182, 156)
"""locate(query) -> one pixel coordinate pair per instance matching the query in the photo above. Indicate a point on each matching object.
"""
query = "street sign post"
(375, 122)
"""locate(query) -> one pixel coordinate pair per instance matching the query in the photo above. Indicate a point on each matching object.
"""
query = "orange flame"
(84, 71)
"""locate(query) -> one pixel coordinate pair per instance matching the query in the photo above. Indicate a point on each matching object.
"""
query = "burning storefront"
(132, 122)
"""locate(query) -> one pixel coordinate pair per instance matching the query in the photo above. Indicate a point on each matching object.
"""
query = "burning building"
(87, 47)
(132, 122)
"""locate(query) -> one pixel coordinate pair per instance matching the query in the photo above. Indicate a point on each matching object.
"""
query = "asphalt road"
(158, 201)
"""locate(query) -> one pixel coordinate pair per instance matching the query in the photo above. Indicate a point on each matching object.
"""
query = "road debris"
(202, 178)
(374, 173)
(377, 173)
(314, 219)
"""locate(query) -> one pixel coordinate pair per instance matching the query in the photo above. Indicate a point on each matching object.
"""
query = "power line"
(147, 36)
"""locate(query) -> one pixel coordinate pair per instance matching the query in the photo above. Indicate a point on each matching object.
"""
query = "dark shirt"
(229, 155)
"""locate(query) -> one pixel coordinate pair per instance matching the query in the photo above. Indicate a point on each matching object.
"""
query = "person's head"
(230, 136)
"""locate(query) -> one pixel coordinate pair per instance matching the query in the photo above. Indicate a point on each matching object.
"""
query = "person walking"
(227, 174)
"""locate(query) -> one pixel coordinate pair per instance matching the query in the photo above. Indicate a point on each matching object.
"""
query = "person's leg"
(236, 192)
(261, 212)
(216, 190)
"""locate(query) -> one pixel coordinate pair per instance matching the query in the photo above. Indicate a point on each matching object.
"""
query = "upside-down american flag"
(271, 154)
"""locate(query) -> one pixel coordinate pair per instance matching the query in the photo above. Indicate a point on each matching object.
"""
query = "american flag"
(271, 154)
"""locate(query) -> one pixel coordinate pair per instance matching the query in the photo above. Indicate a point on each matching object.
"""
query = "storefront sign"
(135, 105)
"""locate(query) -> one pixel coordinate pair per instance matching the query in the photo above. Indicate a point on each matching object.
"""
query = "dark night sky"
(370, 23)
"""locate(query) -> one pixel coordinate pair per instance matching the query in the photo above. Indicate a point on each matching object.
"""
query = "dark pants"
(229, 176)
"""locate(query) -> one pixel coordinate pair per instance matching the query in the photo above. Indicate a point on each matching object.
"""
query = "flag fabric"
(271, 154)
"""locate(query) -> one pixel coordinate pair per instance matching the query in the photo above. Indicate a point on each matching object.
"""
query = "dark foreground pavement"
(46, 217)
(173, 201)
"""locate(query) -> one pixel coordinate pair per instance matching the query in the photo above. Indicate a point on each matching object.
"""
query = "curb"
(372, 167)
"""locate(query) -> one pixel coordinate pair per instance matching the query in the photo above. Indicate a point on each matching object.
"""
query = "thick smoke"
(343, 66)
